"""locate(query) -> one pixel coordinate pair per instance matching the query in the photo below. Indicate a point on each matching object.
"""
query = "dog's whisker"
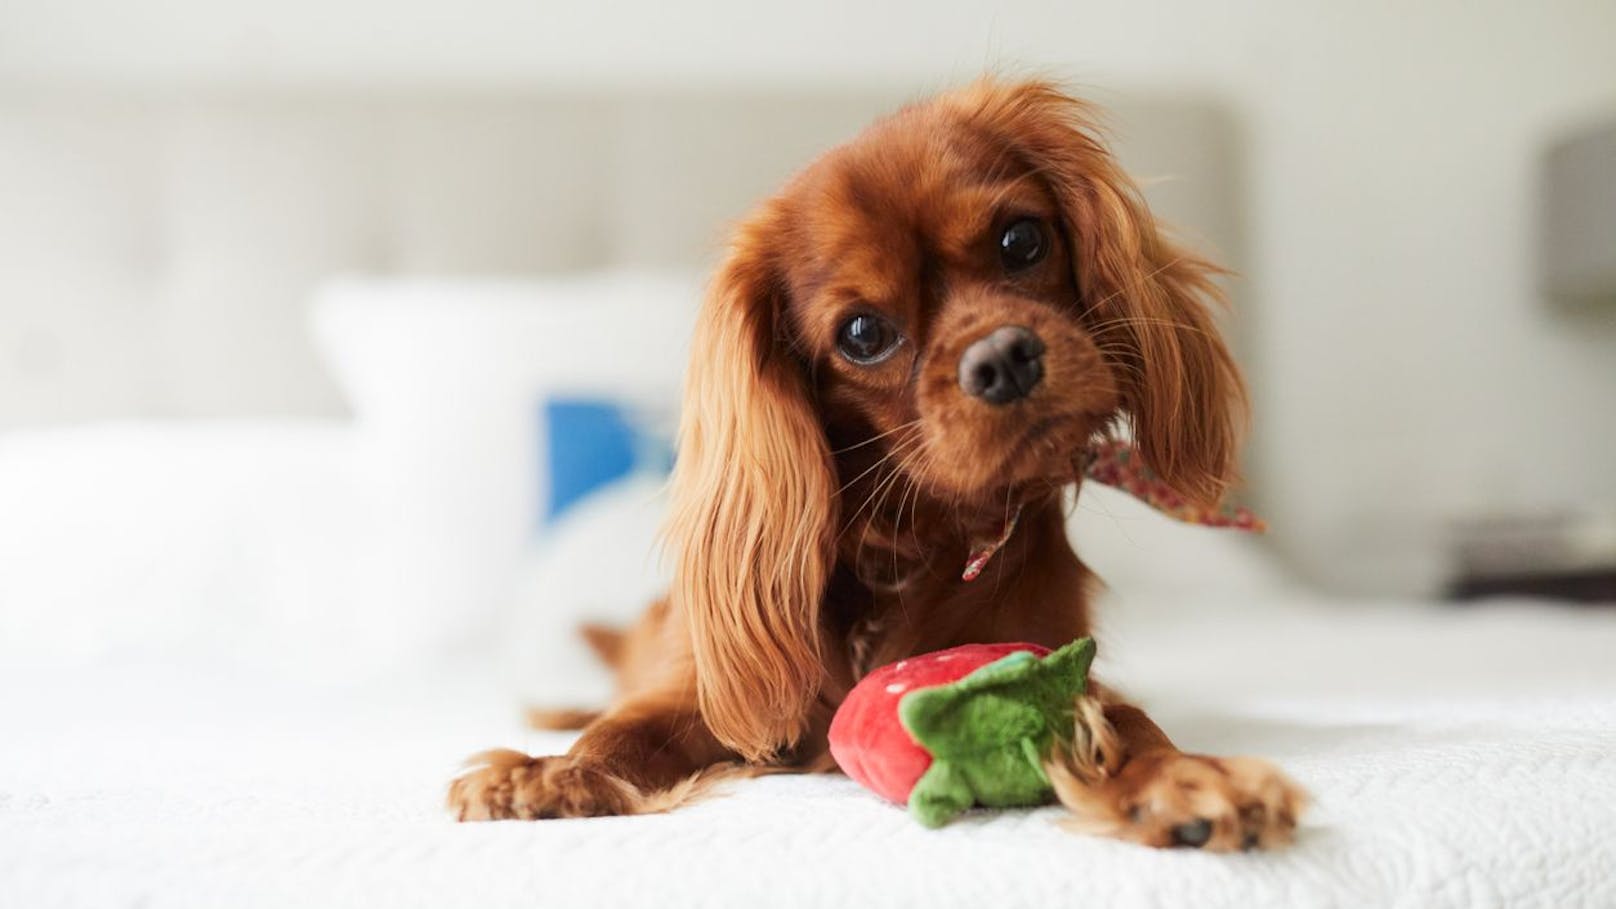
(911, 469)
(881, 487)
(876, 438)
(902, 445)
(886, 489)
(920, 471)
(1008, 185)
(1147, 276)
(1122, 321)
(889, 455)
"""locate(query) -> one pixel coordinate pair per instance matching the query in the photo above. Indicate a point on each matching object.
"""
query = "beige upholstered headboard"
(157, 251)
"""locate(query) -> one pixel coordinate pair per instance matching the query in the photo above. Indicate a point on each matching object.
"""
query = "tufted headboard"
(158, 250)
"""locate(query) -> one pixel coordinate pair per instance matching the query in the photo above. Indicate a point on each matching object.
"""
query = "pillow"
(1158, 566)
(600, 562)
(486, 410)
(226, 542)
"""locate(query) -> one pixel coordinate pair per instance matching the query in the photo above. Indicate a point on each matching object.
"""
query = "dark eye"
(1023, 244)
(867, 339)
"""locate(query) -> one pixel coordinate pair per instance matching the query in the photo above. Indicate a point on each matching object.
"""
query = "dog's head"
(972, 287)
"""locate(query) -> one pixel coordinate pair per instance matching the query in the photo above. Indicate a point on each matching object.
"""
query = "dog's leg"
(560, 718)
(648, 754)
(1124, 778)
(620, 651)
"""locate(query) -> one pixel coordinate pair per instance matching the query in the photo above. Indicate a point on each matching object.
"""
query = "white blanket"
(156, 582)
(1457, 759)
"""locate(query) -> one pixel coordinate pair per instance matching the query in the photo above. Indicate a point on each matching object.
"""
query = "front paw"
(504, 784)
(1167, 799)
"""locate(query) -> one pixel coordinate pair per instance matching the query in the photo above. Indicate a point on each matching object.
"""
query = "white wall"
(1407, 371)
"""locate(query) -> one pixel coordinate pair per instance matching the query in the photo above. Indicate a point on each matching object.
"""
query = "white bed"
(1457, 760)
(173, 741)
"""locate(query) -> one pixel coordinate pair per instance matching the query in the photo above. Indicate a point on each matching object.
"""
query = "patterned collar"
(1115, 463)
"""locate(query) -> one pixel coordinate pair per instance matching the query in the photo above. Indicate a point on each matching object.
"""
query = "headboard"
(157, 250)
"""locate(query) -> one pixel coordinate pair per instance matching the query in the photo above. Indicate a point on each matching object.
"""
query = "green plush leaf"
(1068, 667)
(940, 794)
(989, 732)
(949, 723)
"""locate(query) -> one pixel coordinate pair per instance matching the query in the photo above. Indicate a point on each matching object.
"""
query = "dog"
(901, 361)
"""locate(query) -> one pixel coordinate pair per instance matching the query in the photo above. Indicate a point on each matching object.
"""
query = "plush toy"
(974, 725)
(971, 725)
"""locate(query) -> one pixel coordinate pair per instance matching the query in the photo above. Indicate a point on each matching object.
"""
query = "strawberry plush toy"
(974, 725)
(968, 726)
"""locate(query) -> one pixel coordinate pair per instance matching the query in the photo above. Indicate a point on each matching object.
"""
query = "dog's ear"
(1146, 300)
(753, 507)
(1186, 404)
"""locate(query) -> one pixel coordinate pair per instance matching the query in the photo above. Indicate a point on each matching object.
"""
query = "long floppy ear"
(753, 508)
(1186, 403)
(1146, 300)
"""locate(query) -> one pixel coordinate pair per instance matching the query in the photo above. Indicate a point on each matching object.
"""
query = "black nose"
(1005, 366)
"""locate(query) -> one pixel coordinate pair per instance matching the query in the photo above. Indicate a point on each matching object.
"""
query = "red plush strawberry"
(970, 725)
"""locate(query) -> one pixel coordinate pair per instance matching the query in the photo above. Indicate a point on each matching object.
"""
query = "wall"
(1406, 370)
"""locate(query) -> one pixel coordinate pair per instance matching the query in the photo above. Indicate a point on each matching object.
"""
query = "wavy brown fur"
(824, 507)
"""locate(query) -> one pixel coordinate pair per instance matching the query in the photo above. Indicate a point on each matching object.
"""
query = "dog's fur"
(823, 509)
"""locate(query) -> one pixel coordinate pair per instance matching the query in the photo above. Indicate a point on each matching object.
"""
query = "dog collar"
(982, 554)
(1116, 464)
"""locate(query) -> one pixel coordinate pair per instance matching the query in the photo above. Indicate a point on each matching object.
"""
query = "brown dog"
(907, 346)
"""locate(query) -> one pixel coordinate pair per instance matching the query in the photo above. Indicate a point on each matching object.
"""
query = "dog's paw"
(1167, 799)
(504, 784)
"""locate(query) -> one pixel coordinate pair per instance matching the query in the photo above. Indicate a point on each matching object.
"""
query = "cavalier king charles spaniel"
(905, 354)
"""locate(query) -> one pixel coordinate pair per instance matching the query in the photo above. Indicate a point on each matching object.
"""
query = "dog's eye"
(1023, 244)
(867, 339)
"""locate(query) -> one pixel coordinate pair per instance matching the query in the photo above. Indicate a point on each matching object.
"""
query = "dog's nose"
(1005, 366)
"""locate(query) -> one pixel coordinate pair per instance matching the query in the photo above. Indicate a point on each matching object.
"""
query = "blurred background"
(353, 330)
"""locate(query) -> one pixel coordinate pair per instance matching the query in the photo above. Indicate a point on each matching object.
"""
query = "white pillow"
(229, 542)
(602, 562)
(450, 383)
(1153, 563)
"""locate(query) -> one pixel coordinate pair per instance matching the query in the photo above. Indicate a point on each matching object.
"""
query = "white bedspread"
(156, 581)
(1457, 759)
